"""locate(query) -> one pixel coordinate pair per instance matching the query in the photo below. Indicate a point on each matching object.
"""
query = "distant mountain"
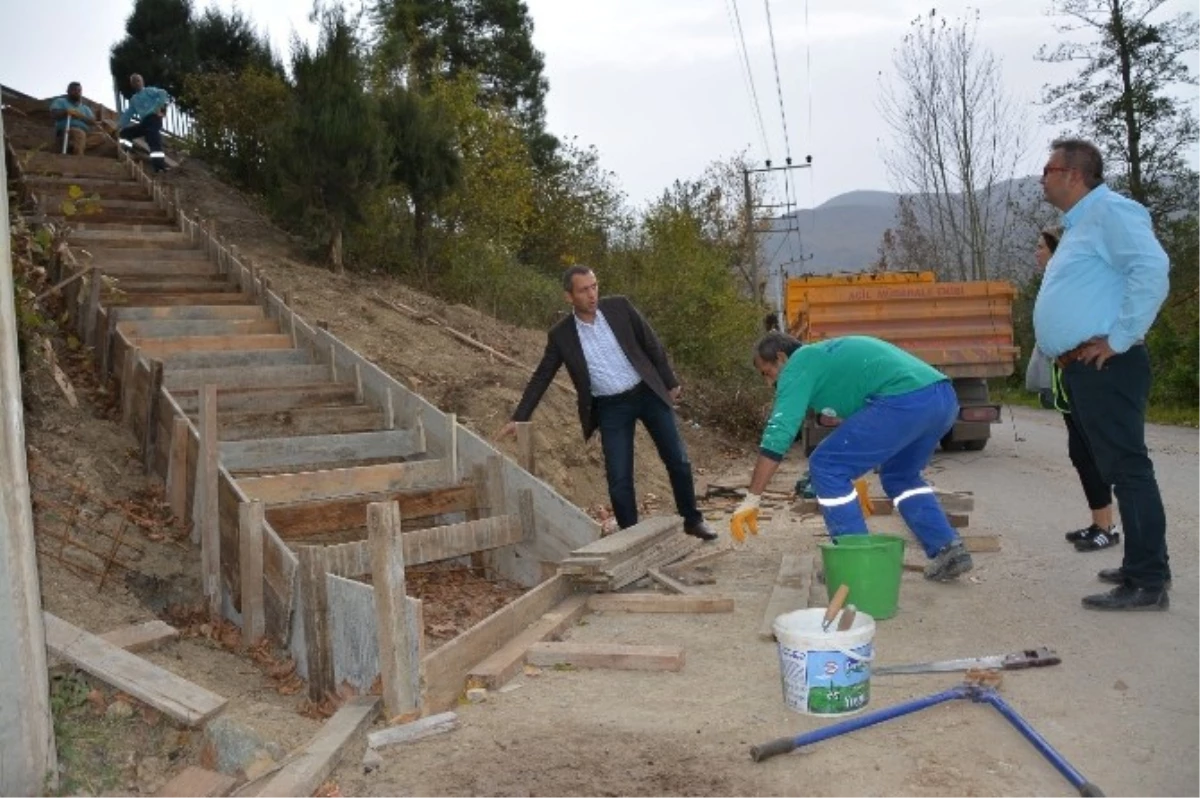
(843, 234)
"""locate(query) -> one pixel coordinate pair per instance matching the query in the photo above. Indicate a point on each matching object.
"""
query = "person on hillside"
(622, 375)
(1049, 383)
(894, 409)
(73, 118)
(1099, 297)
(148, 104)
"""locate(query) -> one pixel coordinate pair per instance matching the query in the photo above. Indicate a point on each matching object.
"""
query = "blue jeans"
(896, 434)
(617, 417)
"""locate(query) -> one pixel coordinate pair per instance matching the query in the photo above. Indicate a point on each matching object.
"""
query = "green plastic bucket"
(871, 566)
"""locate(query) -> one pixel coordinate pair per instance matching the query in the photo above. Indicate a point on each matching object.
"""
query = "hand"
(508, 430)
(1096, 351)
(674, 394)
(745, 517)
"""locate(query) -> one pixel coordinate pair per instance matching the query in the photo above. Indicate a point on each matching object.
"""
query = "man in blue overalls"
(148, 104)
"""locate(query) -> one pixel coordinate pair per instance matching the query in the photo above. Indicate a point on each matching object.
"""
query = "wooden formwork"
(377, 443)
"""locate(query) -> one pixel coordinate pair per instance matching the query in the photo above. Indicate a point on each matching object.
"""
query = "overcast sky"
(656, 85)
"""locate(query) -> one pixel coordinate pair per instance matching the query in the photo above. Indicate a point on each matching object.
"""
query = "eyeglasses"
(1047, 170)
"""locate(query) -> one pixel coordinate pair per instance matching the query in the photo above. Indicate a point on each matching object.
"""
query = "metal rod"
(1077, 779)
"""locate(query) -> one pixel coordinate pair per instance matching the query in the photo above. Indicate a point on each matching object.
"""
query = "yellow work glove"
(745, 517)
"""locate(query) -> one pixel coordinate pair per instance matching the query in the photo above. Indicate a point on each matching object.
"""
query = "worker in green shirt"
(894, 408)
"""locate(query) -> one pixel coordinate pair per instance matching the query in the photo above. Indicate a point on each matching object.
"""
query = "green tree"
(1121, 98)
(230, 43)
(237, 117)
(158, 44)
(493, 39)
(330, 156)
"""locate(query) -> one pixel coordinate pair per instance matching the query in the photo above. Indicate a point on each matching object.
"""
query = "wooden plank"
(265, 398)
(981, 544)
(186, 312)
(150, 432)
(161, 347)
(632, 539)
(691, 561)
(198, 783)
(197, 327)
(316, 518)
(315, 591)
(308, 449)
(416, 730)
(447, 666)
(141, 636)
(502, 665)
(430, 545)
(333, 420)
(398, 661)
(674, 585)
(177, 477)
(613, 656)
(658, 602)
(206, 520)
(343, 482)
(250, 565)
(175, 697)
(790, 591)
(526, 456)
(245, 358)
(185, 298)
(311, 765)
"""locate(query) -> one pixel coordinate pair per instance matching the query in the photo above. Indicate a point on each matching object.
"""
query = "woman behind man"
(1102, 533)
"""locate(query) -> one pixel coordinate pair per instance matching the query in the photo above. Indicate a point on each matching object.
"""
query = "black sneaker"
(950, 563)
(1098, 539)
(1129, 599)
(1084, 534)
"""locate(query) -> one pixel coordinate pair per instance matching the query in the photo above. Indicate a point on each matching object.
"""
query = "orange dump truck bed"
(963, 329)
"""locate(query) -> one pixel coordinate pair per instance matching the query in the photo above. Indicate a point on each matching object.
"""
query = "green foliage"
(329, 158)
(158, 45)
(1174, 340)
(232, 44)
(237, 116)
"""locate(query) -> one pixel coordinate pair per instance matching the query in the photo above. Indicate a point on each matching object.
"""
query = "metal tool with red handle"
(1029, 658)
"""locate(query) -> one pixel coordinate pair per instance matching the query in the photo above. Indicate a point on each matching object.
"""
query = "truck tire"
(951, 445)
(976, 445)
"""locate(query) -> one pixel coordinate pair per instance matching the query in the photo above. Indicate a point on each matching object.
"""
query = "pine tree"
(158, 45)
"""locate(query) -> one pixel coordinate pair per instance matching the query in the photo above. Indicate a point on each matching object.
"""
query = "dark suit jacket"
(636, 338)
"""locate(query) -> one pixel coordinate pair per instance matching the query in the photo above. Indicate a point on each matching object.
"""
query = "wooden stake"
(289, 298)
(391, 410)
(452, 448)
(150, 434)
(358, 385)
(315, 591)
(292, 328)
(525, 452)
(333, 362)
(93, 307)
(250, 565)
(207, 511)
(397, 660)
(128, 374)
(177, 467)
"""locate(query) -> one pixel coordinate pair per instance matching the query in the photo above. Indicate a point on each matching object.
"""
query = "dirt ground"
(1122, 708)
(609, 733)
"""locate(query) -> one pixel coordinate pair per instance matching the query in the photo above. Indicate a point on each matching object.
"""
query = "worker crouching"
(894, 409)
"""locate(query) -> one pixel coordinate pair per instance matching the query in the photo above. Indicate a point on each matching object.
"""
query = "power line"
(735, 21)
(787, 144)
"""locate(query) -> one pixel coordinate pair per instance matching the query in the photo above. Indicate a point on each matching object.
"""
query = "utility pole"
(752, 228)
(28, 762)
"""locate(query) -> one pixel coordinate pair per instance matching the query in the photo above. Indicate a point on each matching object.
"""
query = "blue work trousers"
(896, 434)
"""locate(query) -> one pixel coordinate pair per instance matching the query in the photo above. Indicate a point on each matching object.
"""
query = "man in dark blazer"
(621, 374)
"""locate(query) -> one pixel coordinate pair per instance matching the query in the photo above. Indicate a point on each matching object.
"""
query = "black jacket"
(637, 339)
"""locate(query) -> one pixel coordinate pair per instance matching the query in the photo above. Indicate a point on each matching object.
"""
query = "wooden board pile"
(626, 556)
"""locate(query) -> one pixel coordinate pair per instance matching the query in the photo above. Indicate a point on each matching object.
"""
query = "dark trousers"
(149, 129)
(617, 417)
(1097, 491)
(1109, 406)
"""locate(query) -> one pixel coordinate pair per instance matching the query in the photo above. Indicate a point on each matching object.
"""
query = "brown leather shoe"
(701, 531)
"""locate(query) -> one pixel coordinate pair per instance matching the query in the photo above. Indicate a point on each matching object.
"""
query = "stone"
(234, 748)
(477, 695)
(119, 710)
(371, 761)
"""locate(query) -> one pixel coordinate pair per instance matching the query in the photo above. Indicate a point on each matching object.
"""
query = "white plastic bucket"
(824, 673)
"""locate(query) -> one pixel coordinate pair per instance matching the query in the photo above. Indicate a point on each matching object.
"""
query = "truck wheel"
(951, 445)
(976, 445)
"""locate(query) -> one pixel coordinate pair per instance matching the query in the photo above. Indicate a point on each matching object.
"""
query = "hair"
(1082, 156)
(73, 84)
(568, 278)
(1051, 235)
(774, 343)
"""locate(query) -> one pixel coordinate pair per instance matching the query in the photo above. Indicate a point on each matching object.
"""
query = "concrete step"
(137, 330)
(329, 420)
(277, 397)
(185, 298)
(123, 221)
(56, 187)
(243, 377)
(108, 253)
(185, 312)
(53, 163)
(143, 284)
(246, 358)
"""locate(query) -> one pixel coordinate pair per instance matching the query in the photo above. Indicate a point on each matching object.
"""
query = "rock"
(118, 710)
(477, 695)
(1120, 685)
(371, 761)
(234, 748)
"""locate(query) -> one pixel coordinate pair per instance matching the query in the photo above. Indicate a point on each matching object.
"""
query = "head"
(1047, 243)
(771, 354)
(1074, 168)
(136, 82)
(74, 91)
(582, 290)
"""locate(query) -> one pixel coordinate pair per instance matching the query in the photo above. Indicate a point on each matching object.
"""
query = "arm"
(58, 109)
(1140, 259)
(653, 347)
(543, 375)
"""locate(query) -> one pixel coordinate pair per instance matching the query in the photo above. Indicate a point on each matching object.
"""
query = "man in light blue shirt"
(73, 118)
(1099, 296)
(148, 104)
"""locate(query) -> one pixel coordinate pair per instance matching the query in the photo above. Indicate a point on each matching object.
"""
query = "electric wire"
(735, 22)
